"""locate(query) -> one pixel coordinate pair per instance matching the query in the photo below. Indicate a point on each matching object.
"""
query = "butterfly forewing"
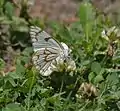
(42, 39)
(46, 50)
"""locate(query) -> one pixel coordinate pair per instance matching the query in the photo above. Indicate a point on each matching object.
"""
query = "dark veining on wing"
(46, 39)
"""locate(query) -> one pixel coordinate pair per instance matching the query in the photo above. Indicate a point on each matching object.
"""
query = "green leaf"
(5, 20)
(10, 80)
(27, 51)
(98, 79)
(85, 12)
(30, 80)
(20, 69)
(25, 59)
(22, 28)
(1, 3)
(91, 76)
(13, 107)
(85, 62)
(96, 67)
(19, 24)
(87, 18)
(113, 78)
(76, 31)
(14, 75)
(19, 21)
(9, 9)
(1, 7)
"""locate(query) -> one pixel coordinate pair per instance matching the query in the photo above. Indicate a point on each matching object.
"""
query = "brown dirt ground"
(65, 10)
(55, 9)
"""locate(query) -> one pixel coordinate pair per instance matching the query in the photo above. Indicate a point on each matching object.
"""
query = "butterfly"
(47, 50)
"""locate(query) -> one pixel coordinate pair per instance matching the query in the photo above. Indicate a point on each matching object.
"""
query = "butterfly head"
(66, 51)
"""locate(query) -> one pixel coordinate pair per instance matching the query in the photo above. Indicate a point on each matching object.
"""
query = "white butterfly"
(46, 50)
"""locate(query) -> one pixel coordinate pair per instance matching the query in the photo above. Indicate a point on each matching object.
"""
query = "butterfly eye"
(69, 55)
(65, 60)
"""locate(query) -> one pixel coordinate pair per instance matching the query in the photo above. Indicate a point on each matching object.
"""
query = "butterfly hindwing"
(41, 64)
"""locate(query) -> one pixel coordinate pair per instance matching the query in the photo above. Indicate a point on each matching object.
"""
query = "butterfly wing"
(41, 39)
(46, 50)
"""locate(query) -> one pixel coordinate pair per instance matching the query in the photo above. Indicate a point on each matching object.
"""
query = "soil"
(59, 10)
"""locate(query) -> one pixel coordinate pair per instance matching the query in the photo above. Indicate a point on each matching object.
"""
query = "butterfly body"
(46, 50)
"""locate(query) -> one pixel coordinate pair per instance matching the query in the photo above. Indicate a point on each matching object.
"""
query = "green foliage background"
(26, 90)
